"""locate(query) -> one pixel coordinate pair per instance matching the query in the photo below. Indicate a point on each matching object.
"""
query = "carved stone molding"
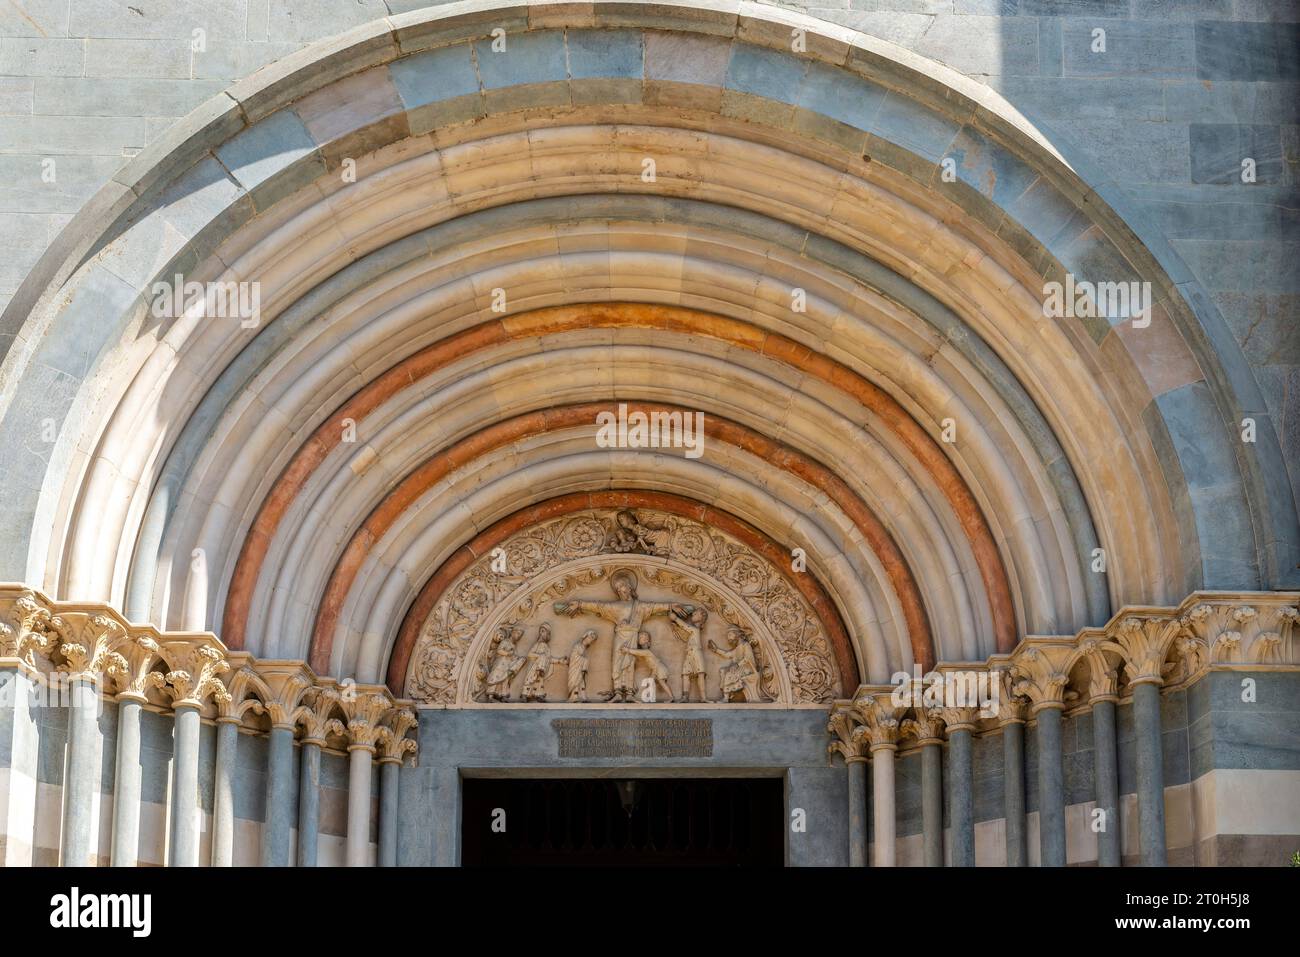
(514, 587)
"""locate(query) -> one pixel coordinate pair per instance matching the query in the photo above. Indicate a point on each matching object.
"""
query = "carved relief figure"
(505, 664)
(688, 628)
(657, 670)
(631, 534)
(740, 674)
(540, 664)
(629, 614)
(578, 665)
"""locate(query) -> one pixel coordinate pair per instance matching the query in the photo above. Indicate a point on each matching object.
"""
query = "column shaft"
(1150, 774)
(388, 772)
(79, 774)
(359, 760)
(308, 803)
(126, 785)
(185, 788)
(1106, 773)
(1013, 792)
(932, 803)
(223, 795)
(1051, 789)
(882, 793)
(961, 801)
(279, 799)
(857, 811)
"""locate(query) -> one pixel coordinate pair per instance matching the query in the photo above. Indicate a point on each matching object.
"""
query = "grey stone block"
(232, 59)
(1247, 51)
(37, 56)
(604, 53)
(174, 19)
(305, 20)
(1182, 9)
(97, 96)
(1219, 152)
(272, 158)
(983, 46)
(1153, 49)
(138, 58)
(1074, 8)
(527, 58)
(35, 18)
(764, 73)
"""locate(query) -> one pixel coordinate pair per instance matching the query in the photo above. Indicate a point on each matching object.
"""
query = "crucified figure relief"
(629, 615)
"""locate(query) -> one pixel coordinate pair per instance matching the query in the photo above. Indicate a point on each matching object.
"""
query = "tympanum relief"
(622, 607)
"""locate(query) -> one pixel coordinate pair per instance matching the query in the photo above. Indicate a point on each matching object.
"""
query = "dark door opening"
(643, 822)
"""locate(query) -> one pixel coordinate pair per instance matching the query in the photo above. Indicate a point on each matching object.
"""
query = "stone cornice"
(168, 670)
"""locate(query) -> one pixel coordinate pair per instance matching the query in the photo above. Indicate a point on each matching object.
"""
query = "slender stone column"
(1041, 673)
(79, 777)
(1051, 788)
(879, 732)
(194, 666)
(388, 771)
(1150, 773)
(309, 802)
(858, 837)
(185, 788)
(223, 796)
(279, 798)
(359, 761)
(841, 726)
(927, 727)
(961, 728)
(1013, 792)
(139, 655)
(126, 784)
(1106, 773)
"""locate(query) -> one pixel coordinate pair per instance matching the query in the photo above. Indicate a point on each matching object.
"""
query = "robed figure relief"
(629, 615)
(740, 673)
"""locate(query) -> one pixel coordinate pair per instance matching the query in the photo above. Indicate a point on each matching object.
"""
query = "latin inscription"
(634, 737)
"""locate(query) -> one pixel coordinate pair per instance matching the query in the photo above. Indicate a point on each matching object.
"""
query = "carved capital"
(926, 726)
(395, 745)
(317, 715)
(1041, 674)
(25, 627)
(1144, 642)
(1103, 670)
(86, 645)
(879, 722)
(840, 727)
(1012, 706)
(139, 655)
(365, 728)
(194, 673)
(286, 684)
(247, 693)
(1261, 632)
(959, 719)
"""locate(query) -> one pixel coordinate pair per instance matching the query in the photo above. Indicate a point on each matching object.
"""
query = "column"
(927, 727)
(961, 728)
(126, 783)
(1013, 792)
(79, 775)
(192, 677)
(279, 797)
(847, 740)
(223, 796)
(359, 760)
(185, 787)
(309, 801)
(880, 730)
(139, 655)
(389, 767)
(1051, 787)
(1150, 773)
(1106, 773)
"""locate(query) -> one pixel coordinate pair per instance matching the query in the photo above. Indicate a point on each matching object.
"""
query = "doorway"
(634, 822)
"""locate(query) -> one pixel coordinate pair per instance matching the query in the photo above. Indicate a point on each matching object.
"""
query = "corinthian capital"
(25, 627)
(1040, 673)
(1144, 642)
(395, 745)
(1012, 705)
(879, 721)
(1103, 669)
(139, 655)
(1235, 632)
(287, 683)
(317, 715)
(247, 692)
(365, 720)
(840, 726)
(88, 646)
(960, 719)
(926, 726)
(194, 669)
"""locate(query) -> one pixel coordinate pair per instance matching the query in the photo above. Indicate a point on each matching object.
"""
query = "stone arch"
(1076, 436)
